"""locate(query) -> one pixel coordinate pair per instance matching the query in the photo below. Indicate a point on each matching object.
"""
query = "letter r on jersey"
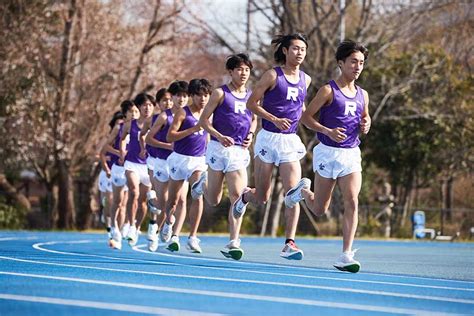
(351, 108)
(239, 106)
(292, 93)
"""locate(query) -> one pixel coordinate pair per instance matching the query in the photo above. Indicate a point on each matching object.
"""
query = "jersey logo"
(201, 132)
(292, 93)
(351, 108)
(240, 107)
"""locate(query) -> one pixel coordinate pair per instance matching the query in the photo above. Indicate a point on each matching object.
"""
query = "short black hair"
(160, 94)
(234, 61)
(141, 99)
(198, 86)
(347, 47)
(125, 106)
(177, 87)
(117, 116)
(281, 41)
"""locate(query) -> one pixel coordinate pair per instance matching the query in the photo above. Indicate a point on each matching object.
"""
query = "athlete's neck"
(343, 82)
(237, 88)
(291, 69)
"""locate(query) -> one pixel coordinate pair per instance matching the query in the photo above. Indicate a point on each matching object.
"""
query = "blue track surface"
(75, 273)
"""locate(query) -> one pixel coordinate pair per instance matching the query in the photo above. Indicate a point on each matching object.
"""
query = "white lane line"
(231, 295)
(235, 280)
(39, 247)
(108, 306)
(17, 238)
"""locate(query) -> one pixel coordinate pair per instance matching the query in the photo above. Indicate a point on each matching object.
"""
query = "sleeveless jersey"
(152, 151)
(232, 118)
(133, 154)
(115, 158)
(285, 100)
(342, 112)
(161, 136)
(194, 144)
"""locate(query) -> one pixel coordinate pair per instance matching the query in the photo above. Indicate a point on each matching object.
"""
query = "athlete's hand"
(365, 124)
(246, 143)
(142, 153)
(226, 141)
(282, 123)
(107, 172)
(337, 134)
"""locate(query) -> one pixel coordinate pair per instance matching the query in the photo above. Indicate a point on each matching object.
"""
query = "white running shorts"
(150, 162)
(105, 184)
(118, 176)
(161, 171)
(226, 159)
(139, 169)
(182, 166)
(277, 148)
(334, 162)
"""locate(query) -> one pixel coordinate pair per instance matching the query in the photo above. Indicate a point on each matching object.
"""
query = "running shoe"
(193, 245)
(239, 207)
(291, 252)
(346, 262)
(197, 188)
(294, 196)
(132, 236)
(174, 244)
(125, 229)
(116, 241)
(152, 232)
(167, 230)
(233, 250)
(150, 197)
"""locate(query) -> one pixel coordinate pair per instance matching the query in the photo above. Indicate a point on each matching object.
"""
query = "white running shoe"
(197, 187)
(291, 252)
(153, 245)
(167, 230)
(346, 262)
(150, 197)
(294, 196)
(193, 244)
(233, 250)
(125, 229)
(116, 241)
(132, 236)
(239, 207)
(174, 244)
(152, 232)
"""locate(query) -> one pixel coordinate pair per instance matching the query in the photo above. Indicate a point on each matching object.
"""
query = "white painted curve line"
(38, 246)
(231, 295)
(108, 306)
(272, 283)
(137, 248)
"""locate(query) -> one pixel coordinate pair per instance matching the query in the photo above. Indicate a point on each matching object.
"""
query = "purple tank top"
(194, 144)
(285, 101)
(342, 112)
(152, 151)
(161, 136)
(232, 118)
(133, 154)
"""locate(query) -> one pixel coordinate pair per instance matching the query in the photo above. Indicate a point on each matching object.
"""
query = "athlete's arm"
(253, 127)
(108, 146)
(365, 117)
(267, 82)
(323, 97)
(216, 99)
(123, 143)
(103, 161)
(150, 137)
(174, 134)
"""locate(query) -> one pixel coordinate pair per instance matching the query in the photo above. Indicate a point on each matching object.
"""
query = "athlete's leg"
(122, 207)
(154, 185)
(236, 182)
(290, 173)
(133, 182)
(263, 181)
(318, 202)
(141, 212)
(196, 208)
(162, 197)
(350, 186)
(213, 188)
